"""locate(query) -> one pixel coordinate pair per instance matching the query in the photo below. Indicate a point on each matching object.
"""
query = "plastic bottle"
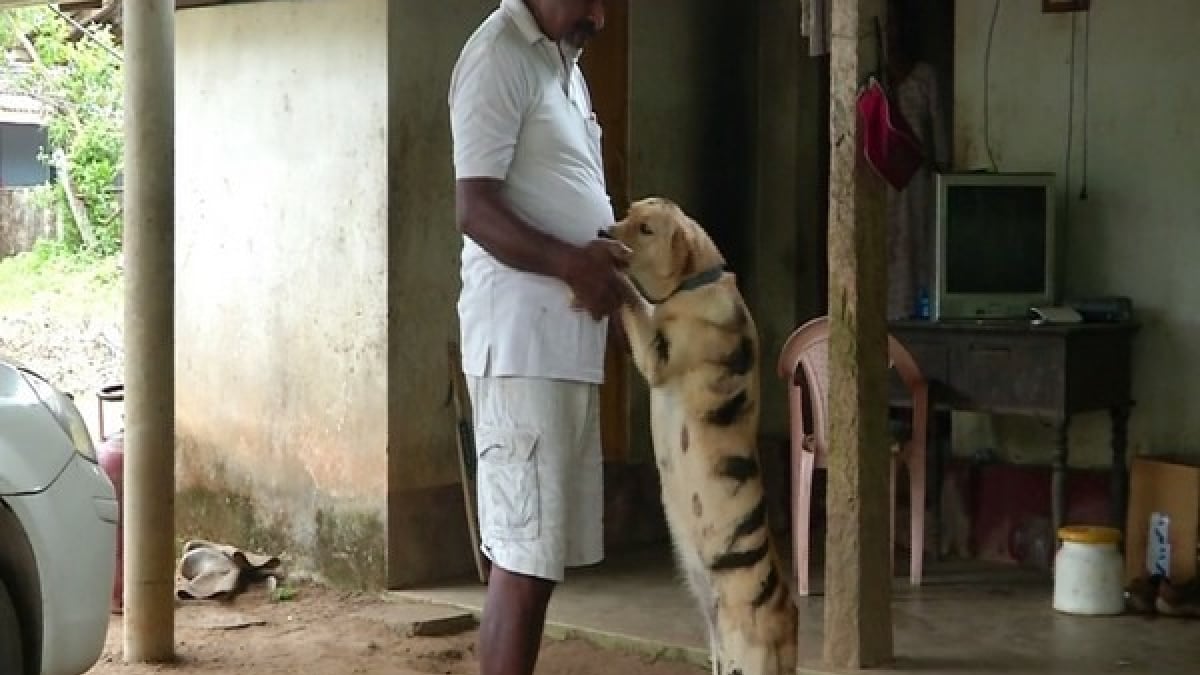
(923, 312)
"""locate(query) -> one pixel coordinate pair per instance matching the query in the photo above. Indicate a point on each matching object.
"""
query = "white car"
(58, 532)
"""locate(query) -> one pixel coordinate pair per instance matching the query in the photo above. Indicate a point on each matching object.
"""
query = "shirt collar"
(523, 18)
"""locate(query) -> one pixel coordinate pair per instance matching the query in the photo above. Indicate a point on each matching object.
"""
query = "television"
(996, 245)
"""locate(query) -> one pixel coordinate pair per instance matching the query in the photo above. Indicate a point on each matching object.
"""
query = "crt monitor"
(996, 244)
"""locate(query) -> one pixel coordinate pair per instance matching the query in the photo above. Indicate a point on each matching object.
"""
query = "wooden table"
(1016, 367)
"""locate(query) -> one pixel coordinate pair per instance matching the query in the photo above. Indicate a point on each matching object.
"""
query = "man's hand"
(593, 273)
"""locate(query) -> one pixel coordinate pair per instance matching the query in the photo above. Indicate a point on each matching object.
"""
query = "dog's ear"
(682, 247)
(673, 251)
(702, 252)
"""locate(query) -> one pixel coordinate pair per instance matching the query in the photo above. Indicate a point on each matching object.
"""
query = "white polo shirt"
(518, 113)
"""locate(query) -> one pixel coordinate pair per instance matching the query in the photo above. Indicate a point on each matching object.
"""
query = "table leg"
(1058, 488)
(1119, 475)
(937, 444)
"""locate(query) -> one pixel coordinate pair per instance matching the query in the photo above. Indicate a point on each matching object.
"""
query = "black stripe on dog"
(751, 523)
(661, 346)
(740, 469)
(739, 559)
(730, 411)
(683, 439)
(769, 585)
(782, 599)
(741, 359)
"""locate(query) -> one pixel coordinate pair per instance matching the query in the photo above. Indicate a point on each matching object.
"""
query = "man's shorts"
(540, 473)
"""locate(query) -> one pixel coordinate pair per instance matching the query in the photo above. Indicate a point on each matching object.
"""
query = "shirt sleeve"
(489, 95)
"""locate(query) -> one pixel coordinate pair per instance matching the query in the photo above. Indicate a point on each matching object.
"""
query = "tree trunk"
(78, 208)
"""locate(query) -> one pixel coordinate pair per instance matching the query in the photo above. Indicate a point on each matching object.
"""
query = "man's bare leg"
(514, 616)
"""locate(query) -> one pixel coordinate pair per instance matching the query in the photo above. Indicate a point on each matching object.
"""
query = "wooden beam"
(858, 575)
(605, 62)
(78, 5)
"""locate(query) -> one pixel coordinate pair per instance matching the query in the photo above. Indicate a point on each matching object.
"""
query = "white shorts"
(540, 473)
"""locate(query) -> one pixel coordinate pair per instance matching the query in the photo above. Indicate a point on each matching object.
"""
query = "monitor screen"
(996, 239)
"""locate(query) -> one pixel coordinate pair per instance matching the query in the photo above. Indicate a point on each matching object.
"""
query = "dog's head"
(667, 245)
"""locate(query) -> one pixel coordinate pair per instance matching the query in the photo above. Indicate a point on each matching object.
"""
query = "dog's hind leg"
(751, 650)
(702, 591)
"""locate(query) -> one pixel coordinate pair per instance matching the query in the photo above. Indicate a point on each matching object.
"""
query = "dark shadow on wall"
(724, 135)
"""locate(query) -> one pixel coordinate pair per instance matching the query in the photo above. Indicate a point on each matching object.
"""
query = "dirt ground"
(322, 631)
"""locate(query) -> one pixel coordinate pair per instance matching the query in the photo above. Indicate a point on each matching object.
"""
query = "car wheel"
(10, 635)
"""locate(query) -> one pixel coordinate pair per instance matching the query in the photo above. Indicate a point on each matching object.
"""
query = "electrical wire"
(1087, 40)
(1070, 119)
(987, 67)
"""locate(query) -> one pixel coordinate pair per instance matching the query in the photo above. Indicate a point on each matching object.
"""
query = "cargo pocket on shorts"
(509, 499)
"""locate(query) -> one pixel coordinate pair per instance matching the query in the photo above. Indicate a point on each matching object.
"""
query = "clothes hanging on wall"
(816, 22)
(910, 212)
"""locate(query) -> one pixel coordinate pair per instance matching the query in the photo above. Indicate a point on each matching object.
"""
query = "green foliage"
(82, 85)
(52, 274)
(283, 594)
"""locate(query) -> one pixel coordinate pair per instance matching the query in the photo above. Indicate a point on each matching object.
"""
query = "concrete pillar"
(149, 330)
(858, 575)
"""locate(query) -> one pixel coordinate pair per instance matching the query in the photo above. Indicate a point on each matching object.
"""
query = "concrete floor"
(967, 618)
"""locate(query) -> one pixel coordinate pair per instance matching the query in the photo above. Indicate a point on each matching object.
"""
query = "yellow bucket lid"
(1089, 534)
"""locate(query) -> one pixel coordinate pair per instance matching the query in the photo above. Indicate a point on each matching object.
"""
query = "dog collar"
(704, 278)
(708, 276)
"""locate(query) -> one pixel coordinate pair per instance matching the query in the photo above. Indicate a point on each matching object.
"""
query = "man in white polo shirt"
(531, 201)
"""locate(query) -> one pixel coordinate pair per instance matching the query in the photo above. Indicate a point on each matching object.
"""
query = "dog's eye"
(644, 228)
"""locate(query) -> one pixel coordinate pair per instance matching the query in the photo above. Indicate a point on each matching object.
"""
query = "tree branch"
(78, 208)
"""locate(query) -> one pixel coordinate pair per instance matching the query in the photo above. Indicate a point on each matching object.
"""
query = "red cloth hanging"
(888, 142)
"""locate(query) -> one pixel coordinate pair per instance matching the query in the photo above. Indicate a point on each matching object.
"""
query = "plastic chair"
(804, 365)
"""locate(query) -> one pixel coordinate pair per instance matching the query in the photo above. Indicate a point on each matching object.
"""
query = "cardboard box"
(1172, 487)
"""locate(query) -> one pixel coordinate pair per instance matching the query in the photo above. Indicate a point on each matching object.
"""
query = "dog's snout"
(606, 232)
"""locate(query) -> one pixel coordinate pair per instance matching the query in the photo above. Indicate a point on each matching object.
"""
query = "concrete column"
(858, 575)
(149, 330)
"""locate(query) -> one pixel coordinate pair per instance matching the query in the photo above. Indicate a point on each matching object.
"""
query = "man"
(539, 286)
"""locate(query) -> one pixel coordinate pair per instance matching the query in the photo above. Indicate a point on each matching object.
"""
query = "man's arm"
(489, 96)
(484, 217)
(591, 271)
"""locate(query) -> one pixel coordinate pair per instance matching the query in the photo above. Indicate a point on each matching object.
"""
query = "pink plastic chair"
(804, 365)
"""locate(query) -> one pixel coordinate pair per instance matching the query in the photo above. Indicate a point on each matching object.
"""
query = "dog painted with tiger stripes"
(695, 343)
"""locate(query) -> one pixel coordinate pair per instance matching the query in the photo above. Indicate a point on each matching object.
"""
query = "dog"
(694, 341)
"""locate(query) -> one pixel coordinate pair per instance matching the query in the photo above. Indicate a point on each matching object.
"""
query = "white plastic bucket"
(1088, 572)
